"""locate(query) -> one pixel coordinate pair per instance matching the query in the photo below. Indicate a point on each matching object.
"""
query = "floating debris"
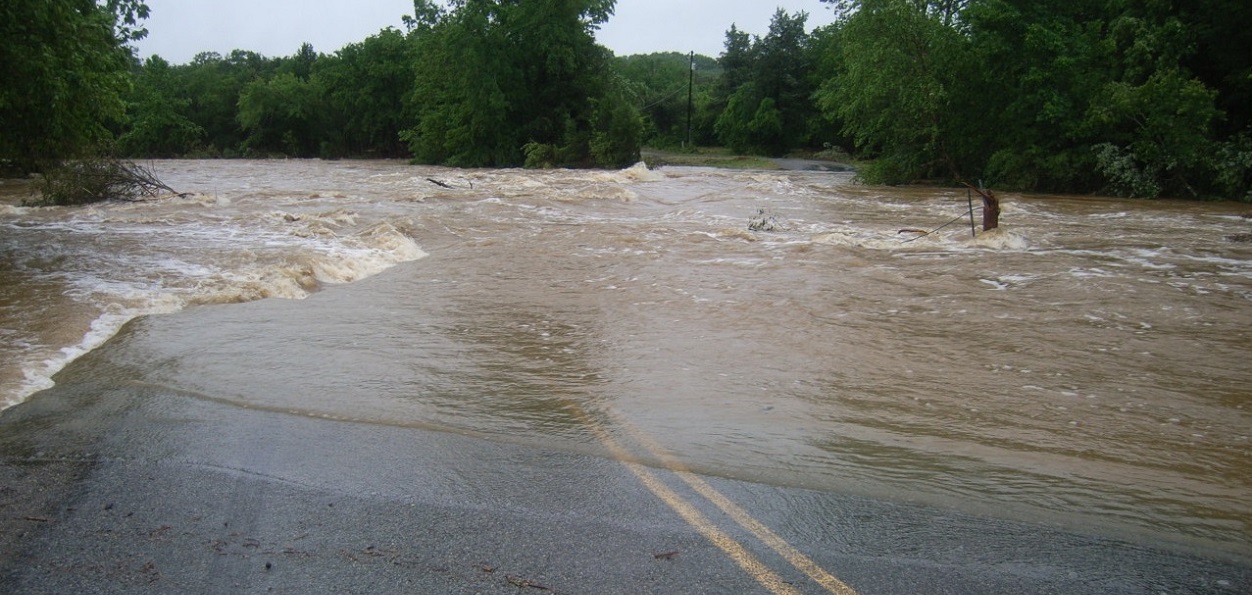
(762, 221)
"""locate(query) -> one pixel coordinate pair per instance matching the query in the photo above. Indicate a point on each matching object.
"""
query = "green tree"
(1089, 95)
(1125, 96)
(213, 84)
(459, 93)
(66, 71)
(902, 63)
(616, 131)
(281, 115)
(782, 70)
(301, 63)
(826, 127)
(767, 86)
(1220, 33)
(158, 125)
(426, 14)
(734, 126)
(1033, 105)
(367, 87)
(736, 61)
(1155, 118)
(658, 84)
(503, 83)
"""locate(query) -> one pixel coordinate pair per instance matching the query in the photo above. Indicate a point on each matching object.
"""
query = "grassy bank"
(706, 157)
(830, 161)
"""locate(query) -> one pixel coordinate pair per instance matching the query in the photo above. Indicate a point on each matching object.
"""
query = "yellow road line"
(786, 550)
(754, 567)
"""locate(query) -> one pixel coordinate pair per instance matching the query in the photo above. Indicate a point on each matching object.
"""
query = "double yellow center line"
(736, 551)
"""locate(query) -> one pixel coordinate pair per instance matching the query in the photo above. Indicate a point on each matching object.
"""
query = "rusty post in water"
(990, 210)
(990, 207)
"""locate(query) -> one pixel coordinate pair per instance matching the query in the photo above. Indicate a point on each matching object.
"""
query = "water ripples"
(1085, 366)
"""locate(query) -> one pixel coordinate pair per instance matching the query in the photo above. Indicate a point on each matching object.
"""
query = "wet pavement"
(145, 490)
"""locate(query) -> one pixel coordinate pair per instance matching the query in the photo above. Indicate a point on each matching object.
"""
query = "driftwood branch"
(443, 184)
(100, 179)
(438, 183)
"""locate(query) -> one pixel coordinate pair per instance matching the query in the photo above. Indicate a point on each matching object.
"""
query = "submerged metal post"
(969, 196)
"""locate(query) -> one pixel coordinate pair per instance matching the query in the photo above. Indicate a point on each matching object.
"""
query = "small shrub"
(1126, 175)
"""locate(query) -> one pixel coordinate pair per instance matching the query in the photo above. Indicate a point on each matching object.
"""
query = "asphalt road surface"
(140, 490)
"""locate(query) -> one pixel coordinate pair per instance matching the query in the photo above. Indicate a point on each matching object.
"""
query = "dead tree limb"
(98, 179)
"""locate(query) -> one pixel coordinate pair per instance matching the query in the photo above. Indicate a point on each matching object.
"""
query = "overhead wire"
(667, 96)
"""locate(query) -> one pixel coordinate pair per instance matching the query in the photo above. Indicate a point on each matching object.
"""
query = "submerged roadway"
(145, 490)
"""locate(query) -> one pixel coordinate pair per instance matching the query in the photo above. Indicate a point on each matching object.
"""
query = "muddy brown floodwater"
(1085, 366)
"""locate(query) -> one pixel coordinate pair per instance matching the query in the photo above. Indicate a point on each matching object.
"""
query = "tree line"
(1143, 98)
(471, 83)
(1130, 97)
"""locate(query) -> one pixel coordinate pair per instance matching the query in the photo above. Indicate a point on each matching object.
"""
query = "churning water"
(1084, 366)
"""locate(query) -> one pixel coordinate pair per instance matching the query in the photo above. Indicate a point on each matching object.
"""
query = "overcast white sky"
(180, 29)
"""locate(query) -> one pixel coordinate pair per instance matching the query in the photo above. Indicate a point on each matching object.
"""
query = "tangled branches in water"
(762, 221)
(98, 179)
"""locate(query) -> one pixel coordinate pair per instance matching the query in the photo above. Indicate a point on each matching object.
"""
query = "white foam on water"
(1117, 215)
(116, 262)
(39, 366)
(1147, 258)
(856, 239)
(1235, 266)
(638, 172)
(1000, 239)
(914, 242)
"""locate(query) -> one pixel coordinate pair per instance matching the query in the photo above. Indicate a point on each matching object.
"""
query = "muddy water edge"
(1085, 366)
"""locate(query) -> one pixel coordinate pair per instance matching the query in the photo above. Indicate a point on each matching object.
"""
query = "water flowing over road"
(1084, 366)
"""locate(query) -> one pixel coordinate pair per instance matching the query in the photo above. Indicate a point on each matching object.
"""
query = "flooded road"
(1084, 367)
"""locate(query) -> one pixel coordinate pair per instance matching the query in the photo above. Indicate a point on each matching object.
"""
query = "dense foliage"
(673, 91)
(1132, 97)
(64, 65)
(502, 83)
(767, 88)
(353, 102)
(475, 83)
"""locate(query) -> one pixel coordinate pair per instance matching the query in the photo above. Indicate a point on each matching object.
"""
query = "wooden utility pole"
(691, 81)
